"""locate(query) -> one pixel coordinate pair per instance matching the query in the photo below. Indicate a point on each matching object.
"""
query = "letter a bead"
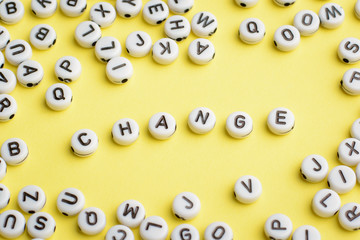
(162, 125)
(91, 221)
(84, 143)
(252, 31)
(278, 226)
(201, 51)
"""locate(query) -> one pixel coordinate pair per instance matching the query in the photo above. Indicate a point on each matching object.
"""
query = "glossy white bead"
(326, 203)
(107, 48)
(286, 38)
(357, 172)
(84, 142)
(204, 24)
(70, 201)
(12, 224)
(18, 51)
(252, 31)
(153, 228)
(185, 231)
(247, 189)
(73, 8)
(4, 37)
(162, 125)
(4, 193)
(119, 232)
(177, 28)
(349, 152)
(246, 3)
(128, 8)
(14, 151)
(357, 9)
(43, 9)
(11, 11)
(350, 81)
(355, 128)
(341, 179)
(91, 221)
(349, 50)
(331, 15)
(125, 131)
(87, 34)
(201, 120)
(119, 70)
(103, 13)
(306, 232)
(307, 22)
(201, 51)
(278, 226)
(284, 3)
(314, 168)
(165, 51)
(3, 169)
(349, 216)
(58, 97)
(130, 213)
(7, 81)
(31, 199)
(186, 206)
(30, 73)
(180, 7)
(68, 69)
(239, 125)
(155, 12)
(43, 36)
(8, 107)
(218, 231)
(138, 44)
(41, 225)
(281, 121)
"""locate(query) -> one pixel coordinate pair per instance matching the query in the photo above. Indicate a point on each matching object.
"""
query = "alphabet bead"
(155, 12)
(201, 120)
(180, 7)
(2, 60)
(239, 125)
(252, 31)
(326, 203)
(30, 73)
(286, 38)
(43, 36)
(355, 128)
(73, 8)
(58, 97)
(349, 152)
(185, 231)
(91, 221)
(12, 224)
(162, 125)
(130, 213)
(306, 232)
(138, 44)
(107, 48)
(201, 51)
(3, 169)
(284, 3)
(314, 168)
(349, 216)
(357, 9)
(70, 201)
(43, 9)
(350, 81)
(349, 50)
(103, 13)
(307, 22)
(165, 51)
(186, 206)
(177, 28)
(84, 142)
(153, 228)
(17, 51)
(281, 121)
(357, 172)
(218, 231)
(7, 81)
(246, 3)
(87, 34)
(247, 189)
(278, 226)
(128, 8)
(204, 24)
(119, 70)
(11, 11)
(119, 232)
(14, 151)
(8, 107)
(41, 225)
(4, 193)
(4, 37)
(341, 179)
(331, 15)
(68, 69)
(31, 199)
(125, 131)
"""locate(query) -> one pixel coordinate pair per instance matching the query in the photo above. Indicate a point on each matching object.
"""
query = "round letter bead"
(42, 36)
(350, 81)
(130, 213)
(201, 120)
(218, 231)
(180, 7)
(70, 201)
(185, 231)
(204, 24)
(314, 168)
(41, 225)
(284, 3)
(8, 107)
(349, 50)
(91, 221)
(4, 194)
(251, 31)
(162, 125)
(349, 152)
(281, 121)
(341, 179)
(306, 232)
(246, 3)
(14, 151)
(177, 28)
(30, 73)
(58, 97)
(153, 228)
(12, 224)
(239, 124)
(165, 51)
(67, 69)
(11, 11)
(155, 12)
(138, 44)
(7, 81)
(3, 169)
(119, 70)
(17, 51)
(73, 8)
(331, 15)
(326, 203)
(357, 9)
(31, 199)
(4, 37)
(307, 22)
(103, 13)
(2, 60)
(128, 9)
(278, 226)
(355, 129)
(87, 34)
(349, 216)
(357, 172)
(119, 232)
(43, 9)
(201, 51)
(186, 206)
(125, 131)
(84, 142)
(247, 189)
(286, 38)
(107, 48)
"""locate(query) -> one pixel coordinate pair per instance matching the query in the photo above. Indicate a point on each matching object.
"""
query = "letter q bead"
(58, 97)
(281, 121)
(84, 142)
(239, 125)
(350, 81)
(201, 51)
(252, 31)
(286, 38)
(349, 50)
(125, 131)
(278, 226)
(14, 151)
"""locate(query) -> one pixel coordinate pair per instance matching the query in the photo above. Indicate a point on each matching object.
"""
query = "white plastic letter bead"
(70, 201)
(349, 216)
(314, 168)
(2, 60)
(357, 9)
(201, 51)
(284, 3)
(286, 38)
(67, 69)
(155, 12)
(73, 8)
(4, 37)
(107, 48)
(252, 31)
(355, 128)
(218, 231)
(185, 231)
(12, 224)
(201, 120)
(162, 125)
(84, 142)
(278, 226)
(119, 232)
(31, 199)
(30, 73)
(350, 82)
(165, 51)
(103, 13)
(341, 179)
(8, 107)
(130, 213)
(58, 97)
(41, 225)
(306, 232)
(307, 22)
(42, 36)
(91, 221)
(119, 70)
(186, 206)
(349, 152)
(11, 11)
(326, 203)
(246, 3)
(239, 124)
(125, 131)
(138, 44)
(247, 189)
(177, 28)
(7, 81)
(87, 34)
(128, 8)
(180, 7)
(154, 228)
(3, 169)
(4, 194)
(204, 24)
(281, 121)
(349, 50)
(14, 151)
(43, 8)
(17, 51)
(331, 15)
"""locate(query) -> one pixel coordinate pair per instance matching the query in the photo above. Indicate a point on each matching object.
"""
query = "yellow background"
(254, 79)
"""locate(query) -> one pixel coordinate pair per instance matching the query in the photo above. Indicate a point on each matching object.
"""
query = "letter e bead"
(281, 121)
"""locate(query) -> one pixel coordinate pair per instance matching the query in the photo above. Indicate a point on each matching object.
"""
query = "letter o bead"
(58, 97)
(349, 216)
(331, 15)
(14, 151)
(91, 221)
(17, 51)
(153, 228)
(70, 201)
(281, 121)
(218, 231)
(201, 51)
(349, 152)
(286, 38)
(349, 50)
(68, 69)
(130, 213)
(307, 22)
(125, 131)
(73, 8)
(246, 3)
(119, 232)
(350, 82)
(239, 125)
(43, 9)
(8, 107)
(155, 12)
(41, 225)
(162, 125)
(84, 142)
(128, 9)
(314, 168)
(119, 70)
(278, 226)
(11, 11)
(12, 224)
(185, 231)
(326, 203)
(186, 206)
